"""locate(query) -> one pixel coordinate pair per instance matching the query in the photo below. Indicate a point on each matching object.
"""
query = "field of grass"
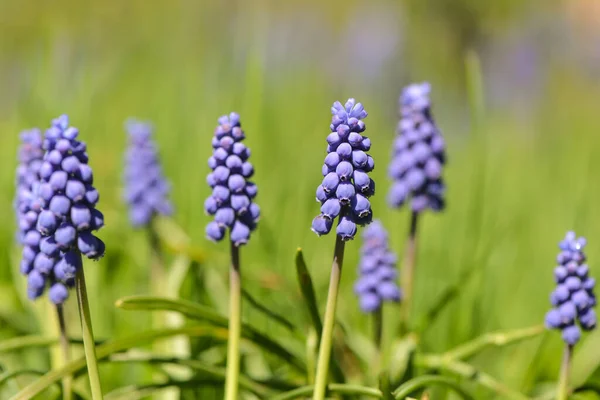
(517, 181)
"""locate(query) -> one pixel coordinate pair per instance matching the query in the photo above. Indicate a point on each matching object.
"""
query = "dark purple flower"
(231, 202)
(377, 270)
(146, 189)
(418, 154)
(573, 299)
(346, 186)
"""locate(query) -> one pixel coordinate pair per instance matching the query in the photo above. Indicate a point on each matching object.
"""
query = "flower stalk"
(235, 325)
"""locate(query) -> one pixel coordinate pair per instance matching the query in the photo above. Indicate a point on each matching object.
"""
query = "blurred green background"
(517, 181)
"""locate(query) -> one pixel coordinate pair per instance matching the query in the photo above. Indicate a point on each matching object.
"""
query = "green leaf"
(585, 359)
(23, 342)
(217, 373)
(424, 381)
(205, 314)
(137, 392)
(278, 318)
(499, 339)
(308, 292)
(105, 350)
(332, 388)
(402, 352)
(5, 377)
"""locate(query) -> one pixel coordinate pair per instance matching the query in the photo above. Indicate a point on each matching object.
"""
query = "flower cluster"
(418, 154)
(146, 190)
(573, 299)
(30, 156)
(346, 186)
(67, 217)
(377, 270)
(231, 200)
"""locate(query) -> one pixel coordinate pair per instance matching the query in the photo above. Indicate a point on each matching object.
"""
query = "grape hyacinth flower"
(346, 185)
(377, 270)
(343, 193)
(30, 156)
(231, 202)
(68, 214)
(28, 205)
(418, 154)
(146, 189)
(66, 223)
(573, 301)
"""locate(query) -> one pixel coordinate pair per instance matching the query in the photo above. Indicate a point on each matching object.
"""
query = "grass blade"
(332, 388)
(205, 314)
(105, 350)
(308, 292)
(421, 382)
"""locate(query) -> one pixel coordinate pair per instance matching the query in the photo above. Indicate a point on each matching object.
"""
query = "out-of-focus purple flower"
(377, 270)
(573, 299)
(30, 155)
(146, 189)
(346, 187)
(67, 215)
(231, 202)
(418, 154)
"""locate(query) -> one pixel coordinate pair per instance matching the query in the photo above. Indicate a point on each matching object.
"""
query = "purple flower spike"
(346, 184)
(146, 189)
(231, 202)
(573, 299)
(377, 270)
(418, 154)
(61, 206)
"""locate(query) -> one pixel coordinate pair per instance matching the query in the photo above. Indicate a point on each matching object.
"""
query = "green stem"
(377, 327)
(331, 389)
(408, 271)
(329, 321)
(420, 382)
(66, 352)
(235, 326)
(565, 370)
(493, 339)
(470, 373)
(88, 333)
(312, 343)
(377, 334)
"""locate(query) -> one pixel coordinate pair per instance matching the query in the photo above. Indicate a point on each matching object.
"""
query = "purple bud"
(47, 223)
(321, 225)
(65, 235)
(240, 203)
(210, 206)
(236, 184)
(330, 182)
(361, 207)
(332, 160)
(321, 195)
(81, 217)
(225, 216)
(344, 151)
(75, 190)
(553, 319)
(58, 180)
(571, 334)
(58, 293)
(331, 208)
(49, 247)
(60, 205)
(240, 233)
(344, 170)
(214, 231)
(70, 165)
(346, 228)
(345, 192)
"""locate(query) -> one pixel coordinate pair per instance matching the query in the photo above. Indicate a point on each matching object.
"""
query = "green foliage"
(515, 185)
